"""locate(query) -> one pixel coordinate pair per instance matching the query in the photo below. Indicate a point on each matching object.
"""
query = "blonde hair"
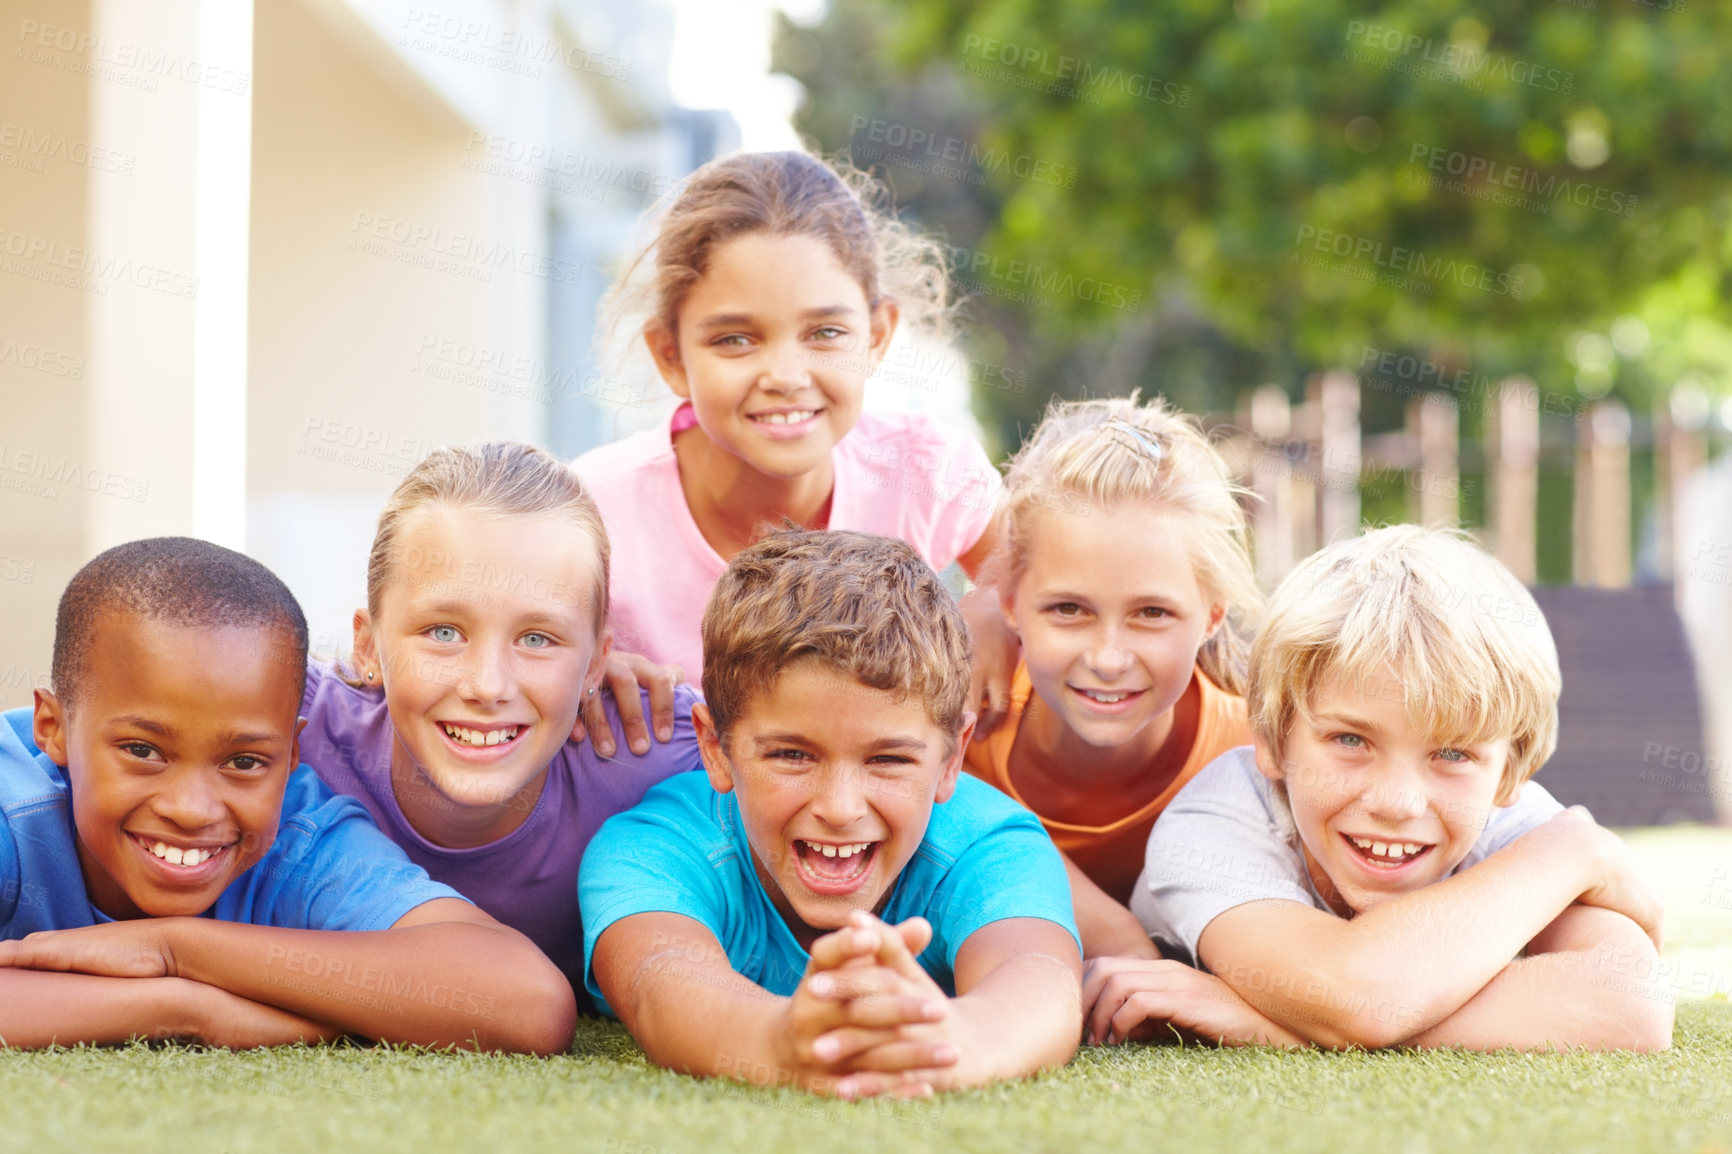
(500, 478)
(1087, 455)
(779, 194)
(862, 605)
(1459, 633)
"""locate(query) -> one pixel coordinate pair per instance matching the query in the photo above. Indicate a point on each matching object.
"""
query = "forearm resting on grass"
(1019, 1002)
(1589, 981)
(446, 974)
(1404, 966)
(39, 1008)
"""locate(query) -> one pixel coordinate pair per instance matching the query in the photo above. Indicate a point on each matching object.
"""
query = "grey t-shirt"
(1228, 839)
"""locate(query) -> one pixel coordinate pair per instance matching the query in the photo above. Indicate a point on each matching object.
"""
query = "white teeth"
(788, 418)
(1395, 851)
(842, 851)
(477, 737)
(174, 855)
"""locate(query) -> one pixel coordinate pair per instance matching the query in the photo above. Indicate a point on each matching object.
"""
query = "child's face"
(486, 645)
(1360, 777)
(178, 747)
(1111, 617)
(774, 346)
(822, 763)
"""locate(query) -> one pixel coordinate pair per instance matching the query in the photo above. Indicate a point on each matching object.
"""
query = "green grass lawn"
(603, 1097)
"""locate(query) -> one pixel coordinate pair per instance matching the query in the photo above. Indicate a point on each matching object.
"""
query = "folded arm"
(1404, 966)
(444, 974)
(1588, 982)
(39, 1008)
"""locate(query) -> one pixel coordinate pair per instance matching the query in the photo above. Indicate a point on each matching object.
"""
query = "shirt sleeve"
(646, 860)
(965, 492)
(1221, 843)
(1532, 807)
(1012, 871)
(330, 868)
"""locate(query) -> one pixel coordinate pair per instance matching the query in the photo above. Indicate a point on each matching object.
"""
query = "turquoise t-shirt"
(328, 869)
(683, 850)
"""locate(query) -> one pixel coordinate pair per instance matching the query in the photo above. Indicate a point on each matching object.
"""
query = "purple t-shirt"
(528, 878)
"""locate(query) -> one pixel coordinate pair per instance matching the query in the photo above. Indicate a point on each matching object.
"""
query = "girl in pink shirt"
(768, 296)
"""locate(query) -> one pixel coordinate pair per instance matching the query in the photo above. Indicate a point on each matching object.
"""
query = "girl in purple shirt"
(484, 635)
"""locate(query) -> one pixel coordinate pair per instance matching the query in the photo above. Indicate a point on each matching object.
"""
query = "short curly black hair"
(179, 580)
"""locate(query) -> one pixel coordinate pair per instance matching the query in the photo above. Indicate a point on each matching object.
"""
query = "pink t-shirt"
(897, 475)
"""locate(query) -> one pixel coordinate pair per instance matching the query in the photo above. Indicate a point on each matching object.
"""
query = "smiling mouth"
(795, 417)
(835, 868)
(481, 738)
(183, 857)
(1108, 696)
(1384, 855)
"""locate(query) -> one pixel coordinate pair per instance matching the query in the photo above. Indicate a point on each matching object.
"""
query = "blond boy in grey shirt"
(1377, 870)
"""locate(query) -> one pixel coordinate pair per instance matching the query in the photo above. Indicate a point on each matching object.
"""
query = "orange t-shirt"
(1112, 855)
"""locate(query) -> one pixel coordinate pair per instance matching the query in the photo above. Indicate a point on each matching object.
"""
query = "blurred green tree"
(1199, 196)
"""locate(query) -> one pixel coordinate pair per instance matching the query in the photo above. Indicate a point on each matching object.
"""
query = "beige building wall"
(393, 262)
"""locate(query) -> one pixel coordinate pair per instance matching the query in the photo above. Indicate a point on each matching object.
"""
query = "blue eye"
(1453, 755)
(537, 640)
(1351, 740)
(445, 634)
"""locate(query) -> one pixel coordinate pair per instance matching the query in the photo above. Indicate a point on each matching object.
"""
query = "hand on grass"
(626, 674)
(1132, 1000)
(138, 948)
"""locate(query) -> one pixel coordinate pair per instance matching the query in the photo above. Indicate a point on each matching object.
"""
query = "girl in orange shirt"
(1124, 571)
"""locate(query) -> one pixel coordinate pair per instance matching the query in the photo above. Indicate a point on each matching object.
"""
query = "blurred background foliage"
(1135, 193)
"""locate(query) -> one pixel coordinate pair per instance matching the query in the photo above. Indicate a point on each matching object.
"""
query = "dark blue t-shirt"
(329, 869)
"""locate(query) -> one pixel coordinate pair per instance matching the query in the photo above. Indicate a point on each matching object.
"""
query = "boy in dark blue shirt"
(166, 870)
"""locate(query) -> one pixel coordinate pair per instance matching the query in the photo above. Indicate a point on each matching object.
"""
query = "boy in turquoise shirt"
(166, 870)
(827, 905)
